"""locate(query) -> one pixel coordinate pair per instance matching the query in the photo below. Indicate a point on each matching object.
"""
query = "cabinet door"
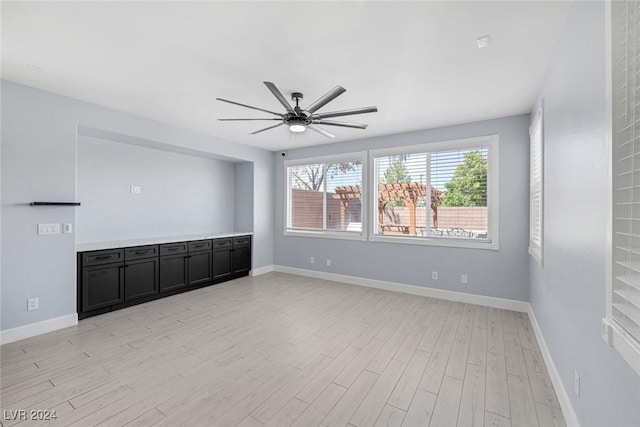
(102, 286)
(222, 263)
(173, 272)
(140, 278)
(200, 268)
(242, 259)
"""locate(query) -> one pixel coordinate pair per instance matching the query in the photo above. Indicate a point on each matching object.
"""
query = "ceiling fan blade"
(321, 131)
(346, 112)
(270, 127)
(249, 106)
(342, 124)
(236, 120)
(274, 90)
(325, 99)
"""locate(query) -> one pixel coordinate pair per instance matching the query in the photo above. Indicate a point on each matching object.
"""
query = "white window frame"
(612, 333)
(489, 141)
(536, 189)
(332, 234)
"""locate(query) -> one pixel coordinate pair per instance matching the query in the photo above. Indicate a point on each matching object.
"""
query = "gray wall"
(501, 273)
(39, 131)
(243, 199)
(568, 294)
(180, 194)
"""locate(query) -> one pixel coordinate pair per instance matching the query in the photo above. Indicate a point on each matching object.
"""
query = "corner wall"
(39, 131)
(501, 274)
(568, 294)
(180, 194)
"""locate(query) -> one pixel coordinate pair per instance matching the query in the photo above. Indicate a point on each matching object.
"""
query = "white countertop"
(94, 246)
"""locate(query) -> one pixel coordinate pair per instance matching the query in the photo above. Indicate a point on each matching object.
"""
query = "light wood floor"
(281, 350)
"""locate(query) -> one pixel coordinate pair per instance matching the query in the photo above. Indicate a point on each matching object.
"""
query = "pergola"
(408, 193)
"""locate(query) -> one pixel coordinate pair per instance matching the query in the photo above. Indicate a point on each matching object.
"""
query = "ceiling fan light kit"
(299, 119)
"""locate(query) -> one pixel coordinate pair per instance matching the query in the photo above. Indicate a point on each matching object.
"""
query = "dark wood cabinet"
(173, 272)
(141, 272)
(222, 259)
(241, 255)
(174, 267)
(200, 267)
(102, 286)
(222, 263)
(141, 278)
(111, 279)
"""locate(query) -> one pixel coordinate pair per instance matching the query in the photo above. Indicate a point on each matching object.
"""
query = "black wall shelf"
(54, 204)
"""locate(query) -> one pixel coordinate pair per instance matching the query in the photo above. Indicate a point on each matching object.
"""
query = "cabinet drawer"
(102, 257)
(241, 241)
(200, 245)
(173, 248)
(222, 243)
(140, 252)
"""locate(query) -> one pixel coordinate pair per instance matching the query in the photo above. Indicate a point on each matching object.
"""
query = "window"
(535, 186)
(324, 196)
(622, 325)
(440, 193)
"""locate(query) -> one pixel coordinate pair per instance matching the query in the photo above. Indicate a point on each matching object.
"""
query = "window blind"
(434, 194)
(626, 167)
(535, 186)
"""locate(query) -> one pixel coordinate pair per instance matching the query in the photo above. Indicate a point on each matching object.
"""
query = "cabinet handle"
(173, 249)
(141, 252)
(103, 257)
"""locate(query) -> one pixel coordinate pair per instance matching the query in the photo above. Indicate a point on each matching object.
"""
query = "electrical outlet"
(576, 382)
(328, 262)
(135, 189)
(464, 279)
(312, 260)
(67, 229)
(33, 304)
(434, 275)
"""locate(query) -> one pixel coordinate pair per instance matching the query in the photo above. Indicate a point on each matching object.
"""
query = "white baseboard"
(424, 291)
(570, 417)
(262, 270)
(33, 329)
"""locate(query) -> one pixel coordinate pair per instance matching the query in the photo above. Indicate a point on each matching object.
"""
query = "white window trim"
(612, 334)
(535, 250)
(330, 234)
(490, 141)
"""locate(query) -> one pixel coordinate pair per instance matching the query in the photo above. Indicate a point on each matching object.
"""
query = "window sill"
(617, 338)
(425, 241)
(341, 235)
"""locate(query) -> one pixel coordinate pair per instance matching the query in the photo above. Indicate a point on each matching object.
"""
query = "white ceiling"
(417, 61)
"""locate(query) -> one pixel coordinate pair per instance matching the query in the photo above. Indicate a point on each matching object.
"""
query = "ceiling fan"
(299, 119)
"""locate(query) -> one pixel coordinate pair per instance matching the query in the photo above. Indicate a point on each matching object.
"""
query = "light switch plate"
(48, 228)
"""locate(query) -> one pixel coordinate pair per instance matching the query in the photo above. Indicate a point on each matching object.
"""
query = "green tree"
(397, 173)
(468, 187)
